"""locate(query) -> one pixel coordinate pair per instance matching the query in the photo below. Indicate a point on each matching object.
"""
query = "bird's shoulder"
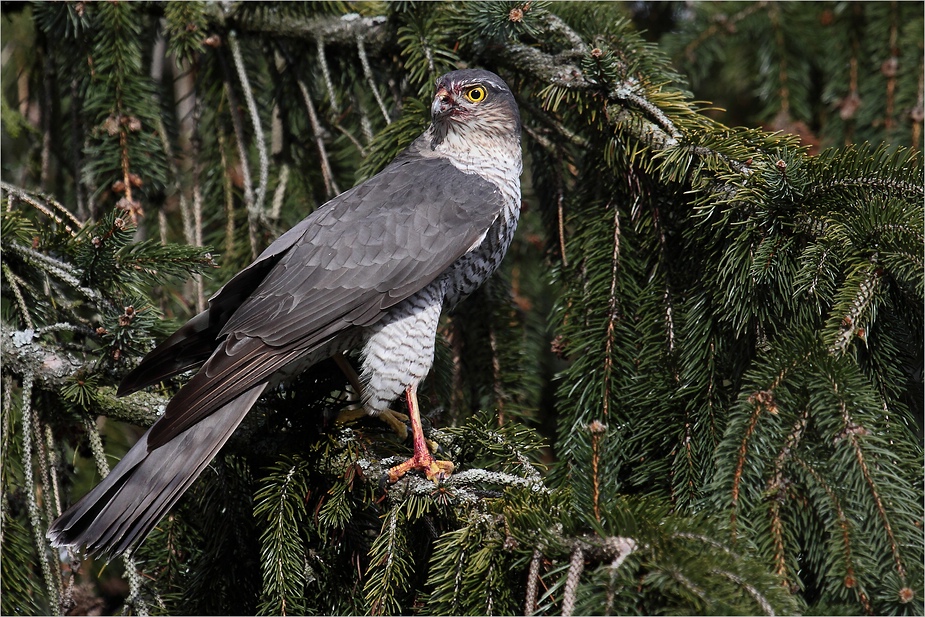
(366, 250)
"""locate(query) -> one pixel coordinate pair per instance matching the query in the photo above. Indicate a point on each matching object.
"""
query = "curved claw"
(423, 459)
(433, 469)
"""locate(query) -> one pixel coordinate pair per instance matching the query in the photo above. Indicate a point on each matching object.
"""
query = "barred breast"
(399, 349)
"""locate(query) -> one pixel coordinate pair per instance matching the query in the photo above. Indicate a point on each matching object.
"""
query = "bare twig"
(253, 213)
(259, 140)
(575, 569)
(279, 194)
(533, 576)
(326, 72)
(368, 72)
(29, 481)
(330, 184)
(185, 214)
(229, 196)
(47, 114)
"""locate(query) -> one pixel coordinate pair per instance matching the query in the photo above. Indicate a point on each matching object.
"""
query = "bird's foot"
(433, 469)
(396, 421)
(422, 460)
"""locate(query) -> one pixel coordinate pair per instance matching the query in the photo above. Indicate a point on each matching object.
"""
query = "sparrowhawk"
(372, 269)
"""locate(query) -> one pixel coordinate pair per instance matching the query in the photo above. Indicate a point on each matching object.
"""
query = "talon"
(422, 460)
(394, 419)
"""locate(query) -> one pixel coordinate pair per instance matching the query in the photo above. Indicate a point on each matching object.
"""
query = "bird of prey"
(372, 269)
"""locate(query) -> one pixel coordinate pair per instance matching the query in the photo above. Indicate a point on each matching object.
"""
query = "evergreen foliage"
(695, 387)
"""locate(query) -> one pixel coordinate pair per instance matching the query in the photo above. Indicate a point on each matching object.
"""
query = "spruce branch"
(575, 568)
(330, 183)
(390, 565)
(51, 368)
(844, 527)
(763, 602)
(30, 489)
(333, 30)
(370, 80)
(250, 203)
(279, 195)
(326, 73)
(851, 433)
(612, 312)
(280, 505)
(672, 304)
(48, 481)
(48, 206)
(533, 577)
(58, 269)
(720, 25)
(16, 283)
(777, 491)
(259, 140)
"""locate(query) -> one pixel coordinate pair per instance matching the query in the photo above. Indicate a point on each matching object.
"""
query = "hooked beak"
(443, 103)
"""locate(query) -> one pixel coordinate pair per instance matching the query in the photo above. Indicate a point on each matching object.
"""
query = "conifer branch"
(227, 193)
(533, 577)
(326, 73)
(15, 282)
(777, 492)
(844, 527)
(851, 433)
(329, 183)
(612, 311)
(259, 140)
(740, 463)
(370, 80)
(550, 121)
(333, 30)
(760, 598)
(51, 465)
(279, 194)
(42, 204)
(699, 335)
(51, 368)
(575, 568)
(720, 24)
(185, 215)
(253, 213)
(30, 489)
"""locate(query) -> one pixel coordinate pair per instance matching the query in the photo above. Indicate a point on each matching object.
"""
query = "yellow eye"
(476, 94)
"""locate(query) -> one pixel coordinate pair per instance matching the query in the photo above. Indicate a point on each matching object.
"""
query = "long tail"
(128, 503)
(189, 346)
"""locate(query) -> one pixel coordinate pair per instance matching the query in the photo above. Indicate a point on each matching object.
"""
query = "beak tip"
(443, 102)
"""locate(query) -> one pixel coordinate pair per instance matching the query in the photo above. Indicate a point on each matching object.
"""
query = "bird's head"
(474, 105)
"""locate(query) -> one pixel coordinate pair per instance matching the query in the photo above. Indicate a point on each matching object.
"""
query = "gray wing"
(197, 339)
(346, 265)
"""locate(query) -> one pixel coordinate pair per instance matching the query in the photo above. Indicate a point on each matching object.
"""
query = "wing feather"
(422, 216)
(417, 217)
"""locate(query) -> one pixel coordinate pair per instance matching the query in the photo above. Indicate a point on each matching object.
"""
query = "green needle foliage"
(695, 387)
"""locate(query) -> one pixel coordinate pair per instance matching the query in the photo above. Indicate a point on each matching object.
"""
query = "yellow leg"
(395, 420)
(434, 470)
